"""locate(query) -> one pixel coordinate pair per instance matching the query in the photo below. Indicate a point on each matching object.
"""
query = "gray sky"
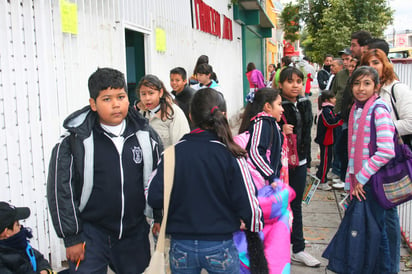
(402, 15)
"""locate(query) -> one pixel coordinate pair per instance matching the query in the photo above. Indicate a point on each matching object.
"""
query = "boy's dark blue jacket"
(89, 182)
(326, 122)
(212, 191)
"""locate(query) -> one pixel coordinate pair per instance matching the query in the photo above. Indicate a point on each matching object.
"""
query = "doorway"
(135, 62)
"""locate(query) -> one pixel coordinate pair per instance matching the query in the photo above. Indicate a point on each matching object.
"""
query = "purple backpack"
(392, 184)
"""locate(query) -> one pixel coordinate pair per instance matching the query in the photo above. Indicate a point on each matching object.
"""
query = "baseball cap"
(10, 214)
(345, 51)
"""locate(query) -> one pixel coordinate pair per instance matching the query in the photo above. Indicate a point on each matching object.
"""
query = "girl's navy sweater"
(212, 191)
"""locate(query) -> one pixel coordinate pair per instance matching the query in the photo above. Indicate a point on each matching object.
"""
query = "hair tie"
(250, 97)
(213, 109)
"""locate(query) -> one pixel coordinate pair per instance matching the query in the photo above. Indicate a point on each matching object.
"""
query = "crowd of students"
(105, 182)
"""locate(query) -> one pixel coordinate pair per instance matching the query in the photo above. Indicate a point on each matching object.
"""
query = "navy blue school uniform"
(96, 193)
(212, 191)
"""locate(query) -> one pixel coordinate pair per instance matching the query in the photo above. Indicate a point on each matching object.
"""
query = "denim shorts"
(190, 256)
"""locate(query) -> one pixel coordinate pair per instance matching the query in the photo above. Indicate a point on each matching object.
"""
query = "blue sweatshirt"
(212, 191)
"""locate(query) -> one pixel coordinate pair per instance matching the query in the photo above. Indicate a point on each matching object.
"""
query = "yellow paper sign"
(68, 14)
(160, 40)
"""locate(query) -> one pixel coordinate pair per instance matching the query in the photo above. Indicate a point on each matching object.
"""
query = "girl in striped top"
(364, 84)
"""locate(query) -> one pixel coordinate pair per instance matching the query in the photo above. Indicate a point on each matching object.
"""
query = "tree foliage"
(290, 22)
(330, 23)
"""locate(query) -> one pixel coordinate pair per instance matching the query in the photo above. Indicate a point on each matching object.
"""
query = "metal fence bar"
(403, 68)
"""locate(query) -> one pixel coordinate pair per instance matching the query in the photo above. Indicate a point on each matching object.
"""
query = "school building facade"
(50, 47)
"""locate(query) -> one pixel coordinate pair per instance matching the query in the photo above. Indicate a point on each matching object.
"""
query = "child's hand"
(358, 191)
(287, 129)
(75, 253)
(156, 229)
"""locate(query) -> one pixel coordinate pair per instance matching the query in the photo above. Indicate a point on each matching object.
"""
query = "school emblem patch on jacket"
(137, 154)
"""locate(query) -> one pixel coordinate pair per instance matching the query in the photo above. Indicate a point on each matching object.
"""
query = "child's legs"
(297, 180)
(336, 165)
(343, 153)
(97, 252)
(329, 156)
(323, 166)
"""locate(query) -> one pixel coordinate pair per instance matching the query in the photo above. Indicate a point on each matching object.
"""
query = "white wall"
(185, 45)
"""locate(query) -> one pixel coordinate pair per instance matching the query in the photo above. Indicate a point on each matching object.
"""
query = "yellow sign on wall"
(68, 14)
(160, 40)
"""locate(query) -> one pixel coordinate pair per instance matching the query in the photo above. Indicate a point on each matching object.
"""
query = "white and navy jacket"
(212, 191)
(90, 181)
(265, 135)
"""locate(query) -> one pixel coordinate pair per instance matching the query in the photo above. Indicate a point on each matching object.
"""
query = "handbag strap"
(393, 101)
(168, 176)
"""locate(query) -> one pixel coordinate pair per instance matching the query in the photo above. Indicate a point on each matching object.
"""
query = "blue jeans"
(190, 256)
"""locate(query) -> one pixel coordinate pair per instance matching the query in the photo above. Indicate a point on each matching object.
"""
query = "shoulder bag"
(392, 184)
(158, 263)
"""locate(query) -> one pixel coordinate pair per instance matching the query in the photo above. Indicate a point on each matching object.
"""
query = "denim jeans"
(190, 256)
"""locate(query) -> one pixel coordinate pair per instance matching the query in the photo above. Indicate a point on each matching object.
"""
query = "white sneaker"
(337, 180)
(332, 176)
(324, 186)
(339, 184)
(305, 258)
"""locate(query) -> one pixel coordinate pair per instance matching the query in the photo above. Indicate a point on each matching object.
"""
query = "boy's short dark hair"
(104, 78)
(204, 69)
(378, 43)
(181, 71)
(362, 36)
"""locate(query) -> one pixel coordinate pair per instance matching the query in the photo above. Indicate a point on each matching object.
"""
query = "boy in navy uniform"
(182, 92)
(16, 254)
(97, 175)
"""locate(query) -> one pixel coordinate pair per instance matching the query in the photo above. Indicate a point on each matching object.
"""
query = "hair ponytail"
(208, 110)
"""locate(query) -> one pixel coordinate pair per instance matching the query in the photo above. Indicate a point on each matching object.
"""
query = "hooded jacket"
(14, 261)
(90, 181)
(301, 117)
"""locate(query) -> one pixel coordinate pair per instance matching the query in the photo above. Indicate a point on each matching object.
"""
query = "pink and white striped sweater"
(360, 163)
